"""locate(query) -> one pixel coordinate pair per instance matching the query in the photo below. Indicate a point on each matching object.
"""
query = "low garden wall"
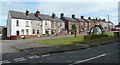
(94, 36)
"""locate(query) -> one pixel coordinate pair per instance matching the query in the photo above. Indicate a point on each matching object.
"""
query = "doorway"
(17, 33)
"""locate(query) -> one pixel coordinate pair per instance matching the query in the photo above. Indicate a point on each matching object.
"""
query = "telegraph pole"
(108, 22)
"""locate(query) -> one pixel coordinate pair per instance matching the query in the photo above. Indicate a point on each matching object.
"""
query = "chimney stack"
(89, 18)
(73, 16)
(53, 15)
(61, 15)
(27, 13)
(99, 19)
(82, 17)
(37, 13)
(96, 19)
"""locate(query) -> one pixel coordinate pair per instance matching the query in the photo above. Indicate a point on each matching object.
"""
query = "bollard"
(116, 33)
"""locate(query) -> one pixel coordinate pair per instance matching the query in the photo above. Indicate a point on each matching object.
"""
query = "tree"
(74, 29)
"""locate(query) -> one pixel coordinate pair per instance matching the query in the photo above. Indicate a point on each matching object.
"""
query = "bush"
(52, 32)
(46, 32)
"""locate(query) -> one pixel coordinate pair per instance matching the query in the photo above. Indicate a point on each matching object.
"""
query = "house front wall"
(21, 26)
(36, 28)
(46, 26)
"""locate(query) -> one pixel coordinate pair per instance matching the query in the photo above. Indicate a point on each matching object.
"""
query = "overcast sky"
(99, 9)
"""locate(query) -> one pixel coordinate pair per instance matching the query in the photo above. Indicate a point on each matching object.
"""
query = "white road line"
(33, 57)
(19, 59)
(5, 61)
(45, 55)
(88, 59)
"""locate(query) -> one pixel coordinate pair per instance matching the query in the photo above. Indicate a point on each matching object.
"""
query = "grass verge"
(73, 40)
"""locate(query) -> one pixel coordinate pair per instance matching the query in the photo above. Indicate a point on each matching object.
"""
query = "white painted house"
(28, 25)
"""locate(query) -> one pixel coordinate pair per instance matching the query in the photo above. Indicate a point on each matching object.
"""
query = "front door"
(17, 33)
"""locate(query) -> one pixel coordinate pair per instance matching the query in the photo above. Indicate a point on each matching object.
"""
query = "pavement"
(26, 43)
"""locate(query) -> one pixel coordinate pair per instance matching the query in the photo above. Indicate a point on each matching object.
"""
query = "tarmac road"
(100, 54)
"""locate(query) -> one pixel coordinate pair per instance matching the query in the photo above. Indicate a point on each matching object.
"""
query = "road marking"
(88, 59)
(6, 61)
(19, 59)
(45, 55)
(33, 57)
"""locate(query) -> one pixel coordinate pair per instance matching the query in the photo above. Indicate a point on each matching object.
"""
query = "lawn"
(73, 40)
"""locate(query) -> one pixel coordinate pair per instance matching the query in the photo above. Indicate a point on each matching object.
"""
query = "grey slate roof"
(21, 15)
(80, 20)
(88, 20)
(1, 27)
(71, 19)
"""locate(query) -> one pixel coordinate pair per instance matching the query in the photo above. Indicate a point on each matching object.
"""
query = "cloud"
(60, 0)
(93, 9)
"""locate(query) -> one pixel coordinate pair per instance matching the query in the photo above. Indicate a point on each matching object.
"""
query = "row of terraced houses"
(26, 25)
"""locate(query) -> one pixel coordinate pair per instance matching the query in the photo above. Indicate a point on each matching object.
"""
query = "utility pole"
(108, 22)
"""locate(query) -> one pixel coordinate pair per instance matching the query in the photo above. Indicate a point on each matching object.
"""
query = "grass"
(73, 40)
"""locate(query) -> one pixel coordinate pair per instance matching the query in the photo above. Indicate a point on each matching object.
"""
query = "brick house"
(82, 23)
(68, 23)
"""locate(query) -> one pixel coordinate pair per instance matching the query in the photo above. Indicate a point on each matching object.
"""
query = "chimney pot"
(37, 13)
(82, 17)
(27, 13)
(89, 17)
(61, 15)
(73, 16)
(53, 15)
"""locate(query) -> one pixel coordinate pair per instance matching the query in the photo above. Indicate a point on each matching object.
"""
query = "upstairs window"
(38, 24)
(17, 23)
(46, 23)
(60, 24)
(27, 23)
(54, 24)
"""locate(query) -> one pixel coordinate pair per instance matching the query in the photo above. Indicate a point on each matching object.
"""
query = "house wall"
(66, 23)
(9, 25)
(22, 25)
(36, 25)
(46, 27)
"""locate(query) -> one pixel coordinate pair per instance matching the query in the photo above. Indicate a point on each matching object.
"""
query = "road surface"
(100, 54)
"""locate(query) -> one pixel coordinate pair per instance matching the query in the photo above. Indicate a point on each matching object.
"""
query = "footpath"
(65, 48)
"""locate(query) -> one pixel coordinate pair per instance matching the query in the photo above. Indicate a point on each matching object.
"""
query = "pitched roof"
(1, 27)
(80, 20)
(21, 15)
(88, 20)
(71, 19)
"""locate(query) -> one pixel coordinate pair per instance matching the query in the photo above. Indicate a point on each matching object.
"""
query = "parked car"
(115, 29)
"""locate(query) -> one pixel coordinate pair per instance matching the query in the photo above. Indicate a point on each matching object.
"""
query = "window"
(60, 24)
(38, 24)
(54, 24)
(27, 23)
(37, 31)
(33, 31)
(22, 32)
(46, 23)
(17, 23)
(27, 32)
